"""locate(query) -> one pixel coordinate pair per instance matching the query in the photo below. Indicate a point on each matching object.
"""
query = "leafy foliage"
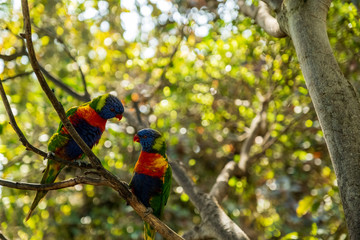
(199, 77)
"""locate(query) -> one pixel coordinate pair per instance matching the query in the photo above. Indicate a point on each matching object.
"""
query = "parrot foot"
(50, 154)
(148, 211)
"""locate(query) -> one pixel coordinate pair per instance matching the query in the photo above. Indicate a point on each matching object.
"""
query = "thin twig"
(272, 141)
(138, 113)
(17, 75)
(25, 142)
(68, 52)
(66, 88)
(11, 57)
(54, 186)
(2, 237)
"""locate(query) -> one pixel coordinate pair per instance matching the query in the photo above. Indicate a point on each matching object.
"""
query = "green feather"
(157, 203)
(51, 172)
(149, 232)
(57, 141)
(68, 113)
(158, 143)
(98, 103)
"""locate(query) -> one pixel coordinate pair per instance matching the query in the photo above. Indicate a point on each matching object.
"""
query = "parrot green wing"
(69, 112)
(158, 202)
(167, 184)
(57, 140)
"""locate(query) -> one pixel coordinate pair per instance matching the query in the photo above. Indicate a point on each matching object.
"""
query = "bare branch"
(221, 186)
(86, 96)
(2, 237)
(138, 113)
(66, 88)
(271, 141)
(53, 186)
(26, 143)
(263, 18)
(215, 220)
(18, 75)
(11, 57)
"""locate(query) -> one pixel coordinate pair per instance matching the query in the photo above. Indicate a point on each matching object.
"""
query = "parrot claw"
(148, 211)
(50, 154)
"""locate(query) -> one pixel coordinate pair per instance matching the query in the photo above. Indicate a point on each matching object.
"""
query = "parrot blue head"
(151, 141)
(108, 106)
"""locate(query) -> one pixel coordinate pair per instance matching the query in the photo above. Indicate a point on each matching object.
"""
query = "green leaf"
(304, 206)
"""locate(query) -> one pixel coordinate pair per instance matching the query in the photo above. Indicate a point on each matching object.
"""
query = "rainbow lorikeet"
(89, 121)
(151, 181)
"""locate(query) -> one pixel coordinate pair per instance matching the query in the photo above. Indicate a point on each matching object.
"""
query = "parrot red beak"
(119, 116)
(136, 138)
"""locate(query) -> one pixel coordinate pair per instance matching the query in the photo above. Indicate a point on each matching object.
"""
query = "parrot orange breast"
(151, 164)
(89, 115)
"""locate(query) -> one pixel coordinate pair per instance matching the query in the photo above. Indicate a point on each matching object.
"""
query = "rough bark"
(335, 100)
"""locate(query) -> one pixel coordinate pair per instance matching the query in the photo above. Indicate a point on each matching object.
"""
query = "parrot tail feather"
(39, 195)
(149, 232)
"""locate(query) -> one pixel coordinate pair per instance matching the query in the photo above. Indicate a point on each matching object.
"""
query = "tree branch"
(2, 237)
(13, 56)
(53, 186)
(17, 75)
(25, 142)
(215, 220)
(66, 88)
(263, 18)
(86, 96)
(221, 186)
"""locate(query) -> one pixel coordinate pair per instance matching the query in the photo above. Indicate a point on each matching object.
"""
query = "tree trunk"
(335, 100)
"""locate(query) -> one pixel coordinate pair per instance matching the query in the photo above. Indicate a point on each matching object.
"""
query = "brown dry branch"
(81, 97)
(86, 96)
(16, 76)
(13, 56)
(53, 186)
(25, 142)
(2, 237)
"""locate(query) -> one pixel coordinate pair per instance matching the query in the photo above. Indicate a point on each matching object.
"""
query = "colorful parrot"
(89, 121)
(151, 181)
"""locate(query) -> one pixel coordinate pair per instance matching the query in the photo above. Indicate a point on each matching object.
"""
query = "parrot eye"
(112, 109)
(144, 136)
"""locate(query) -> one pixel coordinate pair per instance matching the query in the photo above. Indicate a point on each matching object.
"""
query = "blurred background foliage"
(195, 70)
